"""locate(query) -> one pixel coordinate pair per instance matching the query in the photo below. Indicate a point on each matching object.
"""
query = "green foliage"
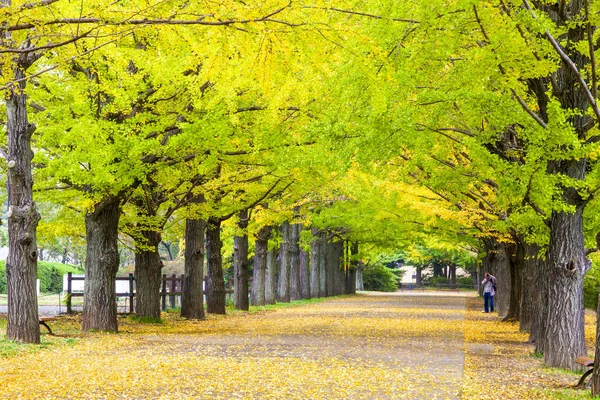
(436, 280)
(591, 287)
(380, 279)
(464, 281)
(50, 275)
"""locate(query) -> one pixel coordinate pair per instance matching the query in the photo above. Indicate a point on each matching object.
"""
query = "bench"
(43, 321)
(586, 362)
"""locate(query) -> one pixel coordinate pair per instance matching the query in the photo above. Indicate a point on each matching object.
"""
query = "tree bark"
(514, 271)
(330, 267)
(283, 277)
(323, 265)
(419, 275)
(260, 266)
(215, 285)
(240, 265)
(148, 279)
(192, 298)
(452, 273)
(353, 267)
(101, 266)
(567, 265)
(531, 285)
(271, 277)
(305, 274)
(359, 277)
(315, 250)
(340, 268)
(295, 274)
(23, 218)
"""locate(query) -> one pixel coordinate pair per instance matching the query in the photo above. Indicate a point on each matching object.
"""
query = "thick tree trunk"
(359, 277)
(438, 269)
(192, 299)
(240, 265)
(315, 250)
(323, 265)
(531, 285)
(283, 277)
(452, 273)
(148, 279)
(340, 268)
(330, 267)
(295, 274)
(215, 285)
(101, 266)
(567, 265)
(305, 274)
(419, 275)
(23, 218)
(260, 266)
(514, 271)
(271, 277)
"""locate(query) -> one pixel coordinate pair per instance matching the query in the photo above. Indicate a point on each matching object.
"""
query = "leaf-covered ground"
(366, 346)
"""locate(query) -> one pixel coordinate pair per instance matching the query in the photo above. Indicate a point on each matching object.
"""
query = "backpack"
(494, 285)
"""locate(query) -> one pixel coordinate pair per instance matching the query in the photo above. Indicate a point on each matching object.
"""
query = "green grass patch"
(10, 349)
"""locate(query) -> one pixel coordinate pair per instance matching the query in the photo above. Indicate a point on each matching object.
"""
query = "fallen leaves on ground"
(388, 347)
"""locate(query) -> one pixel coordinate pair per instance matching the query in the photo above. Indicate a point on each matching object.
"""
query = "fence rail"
(171, 287)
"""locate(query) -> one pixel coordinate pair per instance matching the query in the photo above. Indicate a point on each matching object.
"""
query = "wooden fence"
(171, 287)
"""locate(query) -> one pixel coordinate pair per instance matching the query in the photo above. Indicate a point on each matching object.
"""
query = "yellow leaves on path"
(352, 347)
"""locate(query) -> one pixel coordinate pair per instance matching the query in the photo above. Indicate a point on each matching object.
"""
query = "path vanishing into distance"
(376, 346)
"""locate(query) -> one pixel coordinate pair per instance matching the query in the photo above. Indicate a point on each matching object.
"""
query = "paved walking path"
(397, 346)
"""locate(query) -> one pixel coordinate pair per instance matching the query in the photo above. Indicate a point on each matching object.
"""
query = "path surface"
(395, 346)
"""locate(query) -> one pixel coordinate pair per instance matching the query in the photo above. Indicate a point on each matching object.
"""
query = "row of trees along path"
(408, 126)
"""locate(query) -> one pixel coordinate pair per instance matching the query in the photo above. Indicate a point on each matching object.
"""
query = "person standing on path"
(489, 283)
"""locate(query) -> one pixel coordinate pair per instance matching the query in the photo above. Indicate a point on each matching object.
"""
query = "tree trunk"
(330, 267)
(353, 267)
(148, 277)
(295, 275)
(531, 285)
(567, 265)
(260, 266)
(359, 277)
(437, 269)
(323, 265)
(271, 277)
(315, 250)
(419, 275)
(240, 265)
(192, 298)
(101, 266)
(23, 218)
(452, 274)
(305, 274)
(340, 268)
(283, 277)
(215, 285)
(514, 271)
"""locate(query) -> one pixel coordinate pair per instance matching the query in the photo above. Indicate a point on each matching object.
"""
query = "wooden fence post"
(181, 290)
(172, 288)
